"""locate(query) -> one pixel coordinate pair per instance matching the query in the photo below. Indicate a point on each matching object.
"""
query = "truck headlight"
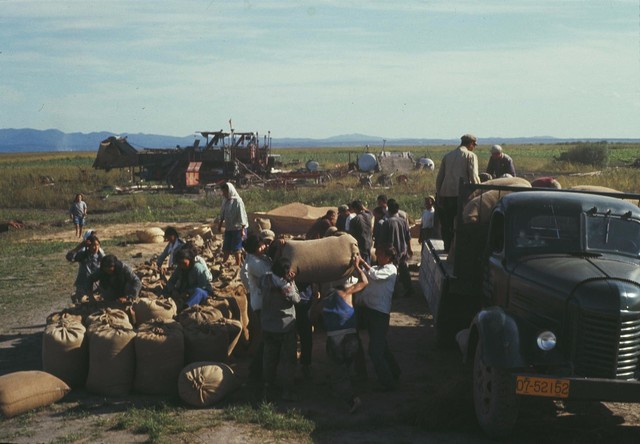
(546, 340)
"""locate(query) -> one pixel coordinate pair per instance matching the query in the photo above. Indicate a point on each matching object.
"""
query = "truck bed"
(434, 272)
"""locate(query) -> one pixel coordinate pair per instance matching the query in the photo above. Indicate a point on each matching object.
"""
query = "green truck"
(543, 300)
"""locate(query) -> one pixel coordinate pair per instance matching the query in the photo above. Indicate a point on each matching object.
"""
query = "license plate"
(551, 387)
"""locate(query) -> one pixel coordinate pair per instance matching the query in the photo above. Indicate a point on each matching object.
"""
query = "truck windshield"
(546, 230)
(613, 234)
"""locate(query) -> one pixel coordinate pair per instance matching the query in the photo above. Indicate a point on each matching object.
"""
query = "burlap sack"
(27, 390)
(159, 347)
(479, 209)
(64, 315)
(321, 260)
(503, 182)
(199, 315)
(238, 293)
(204, 231)
(83, 311)
(546, 182)
(108, 316)
(259, 224)
(147, 309)
(154, 235)
(234, 331)
(111, 360)
(202, 384)
(65, 353)
(206, 342)
(220, 303)
(596, 188)
(600, 189)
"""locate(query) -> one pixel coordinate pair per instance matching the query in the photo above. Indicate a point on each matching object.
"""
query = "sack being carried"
(321, 260)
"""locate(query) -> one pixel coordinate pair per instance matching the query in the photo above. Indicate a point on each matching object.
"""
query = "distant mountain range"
(31, 140)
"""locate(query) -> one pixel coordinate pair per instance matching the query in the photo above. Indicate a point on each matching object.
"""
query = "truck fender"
(500, 338)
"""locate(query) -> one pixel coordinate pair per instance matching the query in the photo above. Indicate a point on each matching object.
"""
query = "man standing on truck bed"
(500, 163)
(456, 164)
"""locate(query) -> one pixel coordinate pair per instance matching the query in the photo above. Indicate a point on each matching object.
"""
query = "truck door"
(496, 275)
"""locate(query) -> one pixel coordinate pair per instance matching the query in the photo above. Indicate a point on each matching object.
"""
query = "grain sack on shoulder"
(147, 309)
(502, 182)
(202, 384)
(321, 260)
(159, 346)
(111, 360)
(28, 390)
(65, 353)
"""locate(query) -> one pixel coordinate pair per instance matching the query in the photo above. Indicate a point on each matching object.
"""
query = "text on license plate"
(552, 387)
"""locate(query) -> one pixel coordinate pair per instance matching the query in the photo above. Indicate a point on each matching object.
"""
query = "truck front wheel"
(495, 401)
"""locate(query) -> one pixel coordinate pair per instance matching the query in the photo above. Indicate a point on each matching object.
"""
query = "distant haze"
(23, 140)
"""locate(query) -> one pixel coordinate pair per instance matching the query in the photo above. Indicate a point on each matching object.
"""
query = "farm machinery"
(226, 155)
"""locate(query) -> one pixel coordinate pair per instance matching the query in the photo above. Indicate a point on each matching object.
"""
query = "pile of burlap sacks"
(481, 203)
(145, 347)
(150, 348)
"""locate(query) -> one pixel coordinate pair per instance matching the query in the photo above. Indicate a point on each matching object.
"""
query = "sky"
(298, 68)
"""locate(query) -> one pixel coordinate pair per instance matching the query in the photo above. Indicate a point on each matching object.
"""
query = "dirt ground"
(432, 404)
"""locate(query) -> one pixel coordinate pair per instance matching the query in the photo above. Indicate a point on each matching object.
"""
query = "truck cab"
(558, 285)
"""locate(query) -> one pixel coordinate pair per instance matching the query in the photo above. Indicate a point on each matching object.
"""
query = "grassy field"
(32, 198)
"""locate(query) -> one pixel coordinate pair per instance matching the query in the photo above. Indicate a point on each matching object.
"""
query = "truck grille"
(607, 346)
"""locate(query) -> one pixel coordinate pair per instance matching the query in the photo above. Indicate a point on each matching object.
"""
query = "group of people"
(283, 310)
(115, 280)
(458, 165)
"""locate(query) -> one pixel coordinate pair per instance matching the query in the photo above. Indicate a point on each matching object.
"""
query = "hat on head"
(87, 234)
(496, 149)
(343, 208)
(267, 235)
(468, 138)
